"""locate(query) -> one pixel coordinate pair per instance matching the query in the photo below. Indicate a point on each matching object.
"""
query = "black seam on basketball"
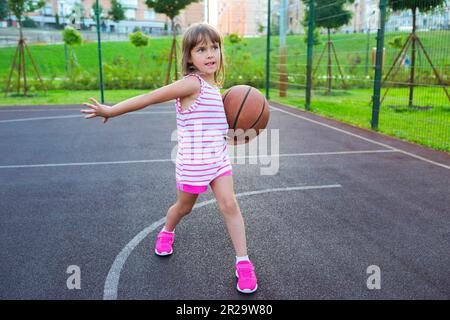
(240, 109)
(225, 96)
(264, 105)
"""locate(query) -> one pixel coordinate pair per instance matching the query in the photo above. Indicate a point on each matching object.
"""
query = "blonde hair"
(198, 33)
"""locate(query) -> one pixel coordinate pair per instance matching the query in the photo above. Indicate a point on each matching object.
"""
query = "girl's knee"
(183, 209)
(228, 205)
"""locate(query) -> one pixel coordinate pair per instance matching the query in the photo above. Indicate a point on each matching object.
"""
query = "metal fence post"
(378, 67)
(310, 53)
(268, 51)
(100, 66)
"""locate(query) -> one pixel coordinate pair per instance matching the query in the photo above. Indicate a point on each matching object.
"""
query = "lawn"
(349, 47)
(246, 64)
(428, 127)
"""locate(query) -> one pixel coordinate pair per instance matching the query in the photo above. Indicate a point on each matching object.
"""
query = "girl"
(202, 157)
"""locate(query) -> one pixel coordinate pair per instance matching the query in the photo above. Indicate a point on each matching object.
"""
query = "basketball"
(247, 112)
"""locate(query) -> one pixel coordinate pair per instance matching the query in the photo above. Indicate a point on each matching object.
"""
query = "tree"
(138, 39)
(235, 40)
(329, 14)
(116, 13)
(171, 8)
(316, 37)
(71, 38)
(20, 8)
(3, 10)
(100, 11)
(413, 39)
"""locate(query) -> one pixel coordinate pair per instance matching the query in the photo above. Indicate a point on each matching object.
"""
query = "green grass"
(51, 58)
(54, 97)
(427, 127)
(430, 127)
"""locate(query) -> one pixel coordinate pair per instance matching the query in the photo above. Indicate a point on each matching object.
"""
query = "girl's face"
(206, 57)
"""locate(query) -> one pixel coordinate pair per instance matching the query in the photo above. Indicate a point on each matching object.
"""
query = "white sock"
(244, 258)
(164, 229)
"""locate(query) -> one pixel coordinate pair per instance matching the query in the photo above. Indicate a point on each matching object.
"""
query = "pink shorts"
(199, 189)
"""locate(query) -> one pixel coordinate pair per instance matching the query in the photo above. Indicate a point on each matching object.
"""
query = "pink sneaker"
(164, 242)
(246, 277)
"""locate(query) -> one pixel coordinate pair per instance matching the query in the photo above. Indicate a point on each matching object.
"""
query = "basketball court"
(341, 199)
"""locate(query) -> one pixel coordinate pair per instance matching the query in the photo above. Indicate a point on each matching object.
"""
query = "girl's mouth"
(210, 64)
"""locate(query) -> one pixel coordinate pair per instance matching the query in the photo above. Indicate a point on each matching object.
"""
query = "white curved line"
(112, 279)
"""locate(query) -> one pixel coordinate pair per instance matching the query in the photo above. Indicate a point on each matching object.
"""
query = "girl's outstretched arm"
(179, 89)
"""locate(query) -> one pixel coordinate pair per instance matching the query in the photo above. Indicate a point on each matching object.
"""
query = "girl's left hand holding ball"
(97, 110)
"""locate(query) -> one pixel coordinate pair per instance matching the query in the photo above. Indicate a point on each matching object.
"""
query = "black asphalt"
(391, 210)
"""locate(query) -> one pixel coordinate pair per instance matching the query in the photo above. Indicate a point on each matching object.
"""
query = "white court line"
(170, 160)
(272, 107)
(112, 279)
(363, 138)
(82, 116)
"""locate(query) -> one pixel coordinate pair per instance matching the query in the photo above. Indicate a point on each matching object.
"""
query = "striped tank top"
(201, 130)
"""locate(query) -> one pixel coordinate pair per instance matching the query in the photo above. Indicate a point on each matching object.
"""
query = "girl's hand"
(235, 142)
(97, 110)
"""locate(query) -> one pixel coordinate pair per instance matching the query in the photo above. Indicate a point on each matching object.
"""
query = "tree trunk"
(413, 60)
(329, 63)
(21, 53)
(169, 67)
(283, 75)
(175, 52)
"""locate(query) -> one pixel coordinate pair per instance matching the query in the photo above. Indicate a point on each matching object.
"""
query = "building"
(365, 16)
(138, 16)
(436, 20)
(245, 17)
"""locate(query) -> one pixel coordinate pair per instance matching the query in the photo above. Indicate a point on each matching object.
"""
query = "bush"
(138, 39)
(72, 37)
(234, 38)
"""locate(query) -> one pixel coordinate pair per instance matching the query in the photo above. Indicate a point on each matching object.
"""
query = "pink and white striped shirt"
(201, 129)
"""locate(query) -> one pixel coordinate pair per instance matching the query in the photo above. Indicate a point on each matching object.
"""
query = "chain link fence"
(378, 64)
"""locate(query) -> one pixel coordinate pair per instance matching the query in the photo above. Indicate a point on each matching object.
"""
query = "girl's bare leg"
(182, 207)
(226, 200)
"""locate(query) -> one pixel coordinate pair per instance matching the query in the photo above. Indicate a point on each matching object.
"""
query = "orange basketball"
(247, 112)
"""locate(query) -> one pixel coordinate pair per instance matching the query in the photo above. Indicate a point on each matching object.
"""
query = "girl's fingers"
(95, 101)
(90, 105)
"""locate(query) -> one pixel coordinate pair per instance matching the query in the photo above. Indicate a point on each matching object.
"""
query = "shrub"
(72, 37)
(138, 39)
